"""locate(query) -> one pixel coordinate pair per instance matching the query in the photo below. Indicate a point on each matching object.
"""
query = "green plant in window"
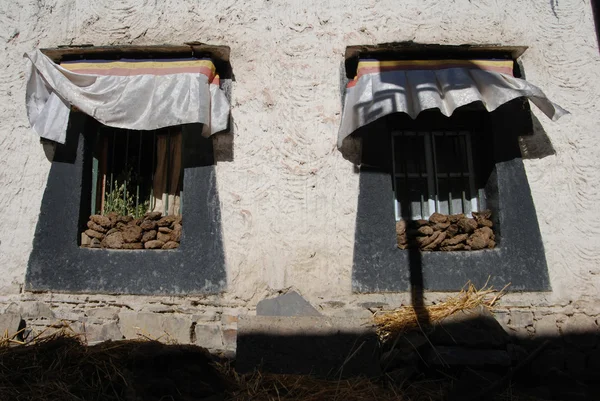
(121, 198)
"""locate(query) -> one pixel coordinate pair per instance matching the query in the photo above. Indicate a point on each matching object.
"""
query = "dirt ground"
(63, 368)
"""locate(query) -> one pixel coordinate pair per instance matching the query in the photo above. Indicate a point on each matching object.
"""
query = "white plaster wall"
(288, 197)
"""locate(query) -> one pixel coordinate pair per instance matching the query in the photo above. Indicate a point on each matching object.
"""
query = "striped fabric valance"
(366, 66)
(128, 93)
(129, 67)
(381, 88)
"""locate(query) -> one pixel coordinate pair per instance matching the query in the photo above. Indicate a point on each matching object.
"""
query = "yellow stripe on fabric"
(135, 65)
(433, 63)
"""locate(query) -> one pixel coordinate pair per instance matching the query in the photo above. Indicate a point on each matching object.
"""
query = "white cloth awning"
(130, 94)
(411, 86)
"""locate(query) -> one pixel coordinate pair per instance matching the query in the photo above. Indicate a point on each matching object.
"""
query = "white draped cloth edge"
(137, 102)
(377, 95)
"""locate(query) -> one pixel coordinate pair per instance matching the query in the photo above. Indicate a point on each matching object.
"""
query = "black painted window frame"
(57, 263)
(519, 258)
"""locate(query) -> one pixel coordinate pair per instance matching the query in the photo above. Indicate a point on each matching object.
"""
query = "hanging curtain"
(166, 185)
(131, 94)
(411, 86)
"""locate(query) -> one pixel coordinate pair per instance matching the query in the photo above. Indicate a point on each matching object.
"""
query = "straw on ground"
(392, 323)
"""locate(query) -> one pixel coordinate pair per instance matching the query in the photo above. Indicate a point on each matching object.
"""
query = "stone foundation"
(153, 231)
(195, 320)
(475, 350)
(447, 232)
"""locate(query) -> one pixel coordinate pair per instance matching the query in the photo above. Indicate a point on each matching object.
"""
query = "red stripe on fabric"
(373, 70)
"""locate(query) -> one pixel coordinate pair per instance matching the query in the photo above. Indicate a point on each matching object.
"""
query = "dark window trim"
(58, 264)
(218, 54)
(519, 258)
(426, 51)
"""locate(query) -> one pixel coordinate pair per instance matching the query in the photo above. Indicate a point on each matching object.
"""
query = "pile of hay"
(61, 367)
(390, 324)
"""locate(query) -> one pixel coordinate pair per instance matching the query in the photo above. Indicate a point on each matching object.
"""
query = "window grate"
(433, 172)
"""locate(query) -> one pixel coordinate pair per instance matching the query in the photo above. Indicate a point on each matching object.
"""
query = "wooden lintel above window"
(219, 54)
(423, 51)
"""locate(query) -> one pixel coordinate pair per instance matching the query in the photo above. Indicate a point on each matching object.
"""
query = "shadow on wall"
(537, 145)
(535, 139)
(468, 356)
(596, 12)
(334, 356)
(224, 144)
(223, 141)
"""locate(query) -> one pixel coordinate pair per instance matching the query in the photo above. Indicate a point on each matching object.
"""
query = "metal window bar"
(474, 200)
(95, 174)
(404, 196)
(450, 200)
(464, 197)
(397, 175)
(419, 173)
(406, 182)
(137, 186)
(434, 171)
(168, 186)
(152, 198)
(394, 189)
(126, 179)
(103, 164)
(422, 172)
(456, 155)
(112, 162)
(462, 155)
(431, 187)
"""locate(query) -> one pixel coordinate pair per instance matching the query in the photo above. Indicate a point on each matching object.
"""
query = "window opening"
(136, 171)
(137, 191)
(433, 172)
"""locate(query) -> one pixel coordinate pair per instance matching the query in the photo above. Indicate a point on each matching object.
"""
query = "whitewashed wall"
(288, 197)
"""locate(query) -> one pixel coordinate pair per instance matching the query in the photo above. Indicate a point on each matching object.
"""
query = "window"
(135, 172)
(136, 189)
(432, 143)
(410, 167)
(433, 171)
(92, 153)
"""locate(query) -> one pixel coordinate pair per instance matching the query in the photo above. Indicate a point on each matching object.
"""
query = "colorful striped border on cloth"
(141, 95)
(371, 66)
(381, 88)
(129, 67)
